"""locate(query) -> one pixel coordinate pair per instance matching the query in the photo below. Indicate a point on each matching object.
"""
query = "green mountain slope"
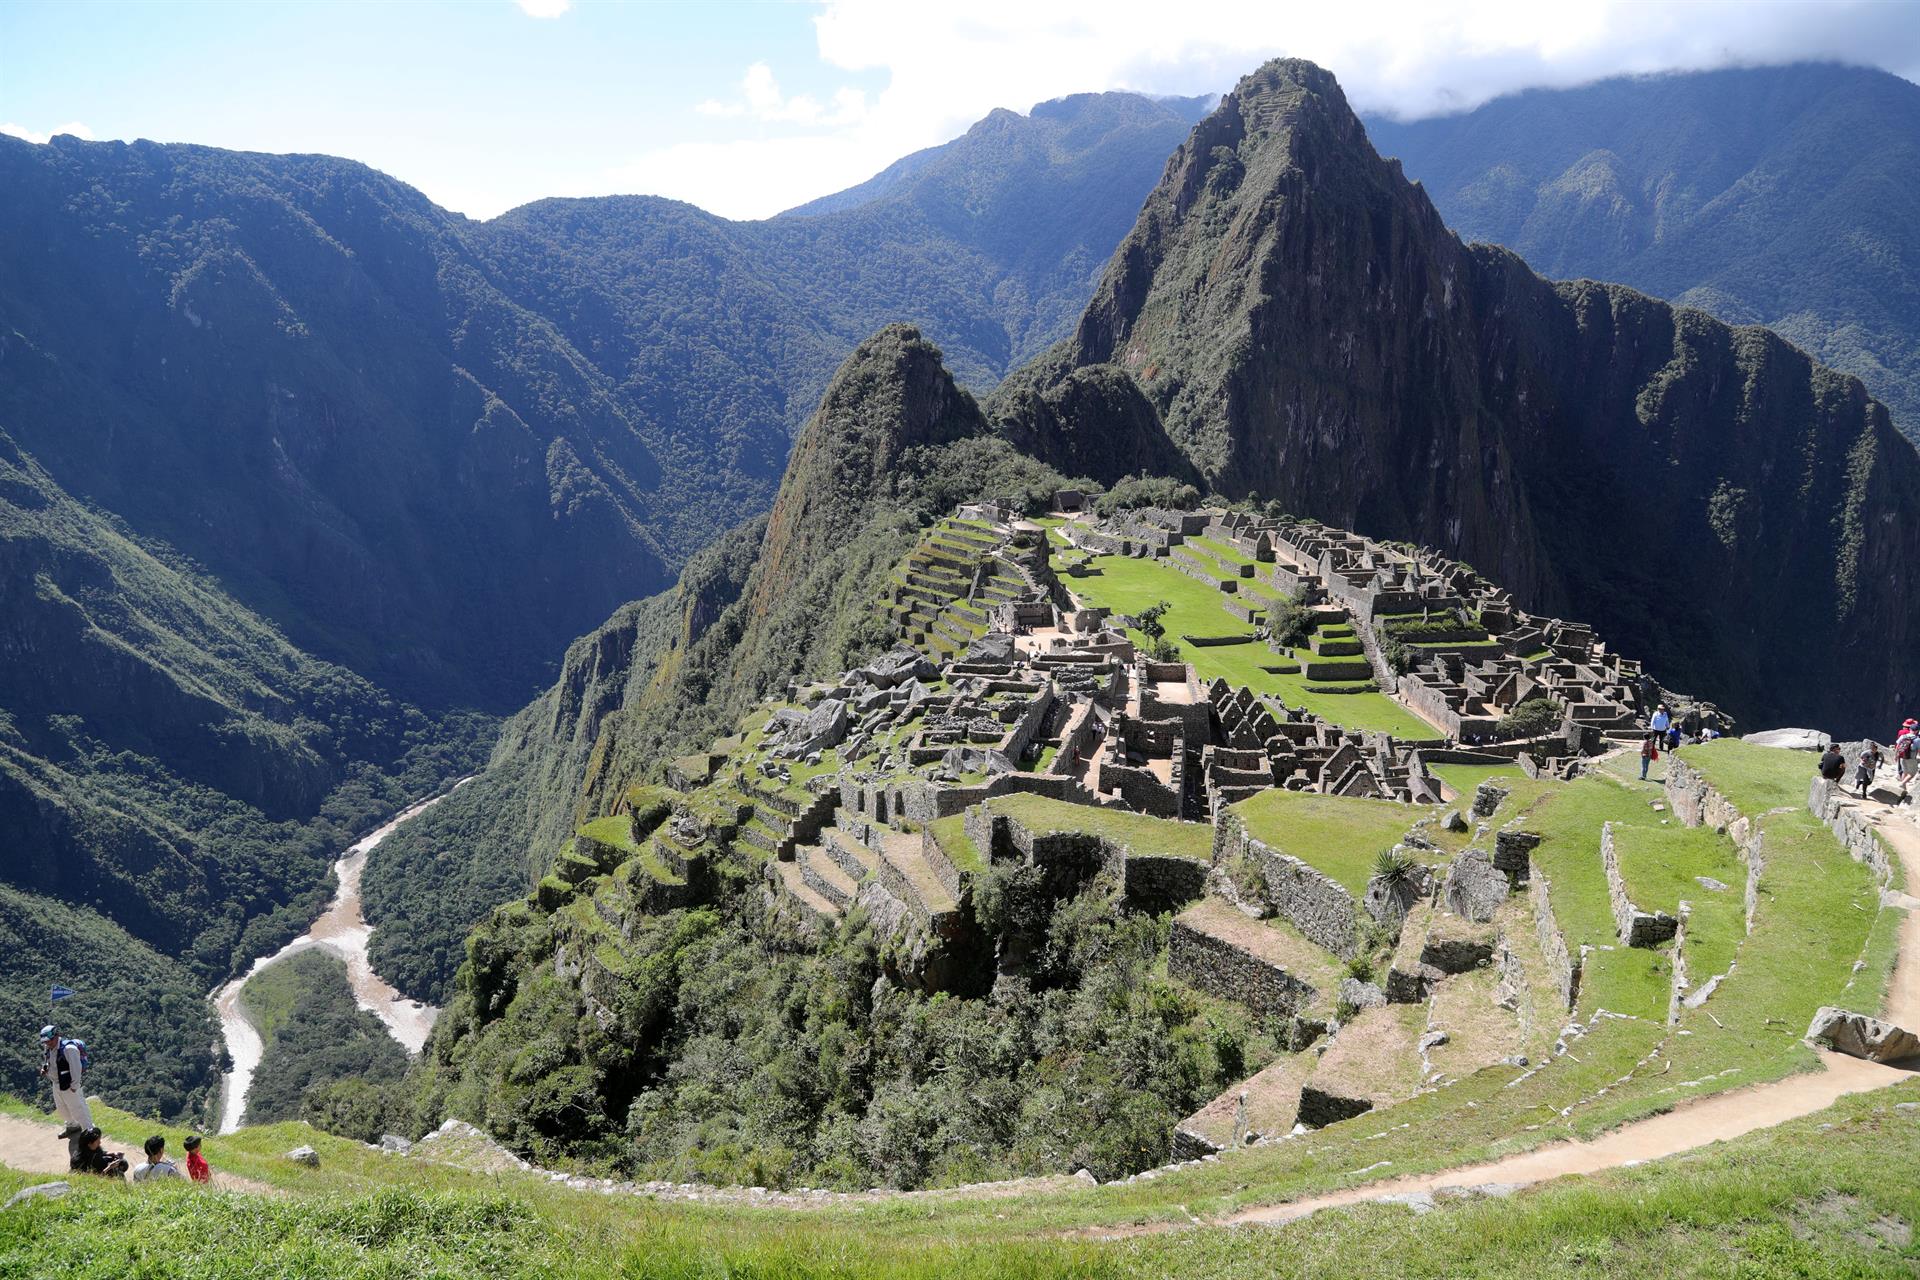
(1780, 196)
(436, 451)
(894, 444)
(1290, 315)
(176, 773)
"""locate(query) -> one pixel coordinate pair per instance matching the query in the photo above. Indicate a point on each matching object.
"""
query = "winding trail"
(343, 930)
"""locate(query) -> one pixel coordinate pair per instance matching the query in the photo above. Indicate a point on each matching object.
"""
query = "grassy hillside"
(1809, 1198)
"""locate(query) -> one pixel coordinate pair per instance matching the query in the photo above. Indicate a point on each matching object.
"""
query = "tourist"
(1673, 737)
(1649, 752)
(156, 1165)
(1868, 766)
(64, 1065)
(1661, 719)
(1906, 755)
(196, 1163)
(91, 1157)
(1833, 765)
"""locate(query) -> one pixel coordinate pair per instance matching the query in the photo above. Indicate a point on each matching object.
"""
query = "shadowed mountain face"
(1303, 327)
(436, 451)
(1781, 196)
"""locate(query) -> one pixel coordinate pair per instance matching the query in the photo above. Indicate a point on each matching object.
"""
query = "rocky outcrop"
(1474, 888)
(1860, 1036)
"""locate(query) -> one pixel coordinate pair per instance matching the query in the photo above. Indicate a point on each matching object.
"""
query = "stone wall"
(1693, 801)
(1221, 969)
(1563, 969)
(1850, 826)
(1638, 928)
(1308, 900)
(1156, 882)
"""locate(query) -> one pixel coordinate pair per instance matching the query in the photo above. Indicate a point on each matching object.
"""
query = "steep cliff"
(1780, 196)
(1306, 329)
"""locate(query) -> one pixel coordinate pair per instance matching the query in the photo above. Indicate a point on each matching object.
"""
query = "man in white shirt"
(156, 1165)
(63, 1068)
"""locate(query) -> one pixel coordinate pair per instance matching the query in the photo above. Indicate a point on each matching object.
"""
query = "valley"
(1134, 695)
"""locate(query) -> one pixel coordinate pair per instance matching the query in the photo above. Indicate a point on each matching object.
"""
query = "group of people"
(1906, 762)
(65, 1066)
(1664, 731)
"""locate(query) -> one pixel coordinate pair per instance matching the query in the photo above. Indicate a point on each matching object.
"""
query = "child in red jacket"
(196, 1163)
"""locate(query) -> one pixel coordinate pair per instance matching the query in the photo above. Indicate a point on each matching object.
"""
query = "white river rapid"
(342, 930)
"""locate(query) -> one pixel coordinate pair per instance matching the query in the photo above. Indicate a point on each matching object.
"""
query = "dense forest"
(314, 1035)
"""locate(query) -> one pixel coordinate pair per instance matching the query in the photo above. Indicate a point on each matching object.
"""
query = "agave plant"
(1392, 866)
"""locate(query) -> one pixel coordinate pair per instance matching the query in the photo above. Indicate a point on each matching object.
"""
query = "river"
(343, 930)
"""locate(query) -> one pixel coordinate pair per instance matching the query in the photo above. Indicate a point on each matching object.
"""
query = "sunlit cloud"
(21, 131)
(947, 64)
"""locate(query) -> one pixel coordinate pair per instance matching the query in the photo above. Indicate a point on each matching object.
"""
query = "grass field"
(1140, 832)
(1337, 835)
(1126, 585)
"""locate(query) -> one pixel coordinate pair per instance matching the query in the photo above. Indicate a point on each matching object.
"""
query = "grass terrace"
(1127, 586)
(1140, 832)
(951, 835)
(1337, 835)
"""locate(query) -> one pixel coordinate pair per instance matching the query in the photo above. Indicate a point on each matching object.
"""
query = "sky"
(748, 107)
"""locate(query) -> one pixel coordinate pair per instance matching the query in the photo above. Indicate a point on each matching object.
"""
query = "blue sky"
(748, 108)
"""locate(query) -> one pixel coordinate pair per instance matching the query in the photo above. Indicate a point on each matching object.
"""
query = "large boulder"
(1789, 739)
(1475, 888)
(1860, 1036)
(898, 666)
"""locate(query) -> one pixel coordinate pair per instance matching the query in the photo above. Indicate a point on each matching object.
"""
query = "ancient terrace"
(1385, 899)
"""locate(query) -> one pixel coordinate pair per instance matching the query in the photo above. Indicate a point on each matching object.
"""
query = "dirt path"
(33, 1146)
(343, 930)
(1692, 1124)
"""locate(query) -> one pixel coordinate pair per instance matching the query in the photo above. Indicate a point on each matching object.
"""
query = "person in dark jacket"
(95, 1159)
(1833, 765)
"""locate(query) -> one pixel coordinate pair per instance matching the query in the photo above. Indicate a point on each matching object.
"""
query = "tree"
(1148, 623)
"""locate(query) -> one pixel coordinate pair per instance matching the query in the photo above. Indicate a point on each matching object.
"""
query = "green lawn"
(1337, 835)
(1126, 585)
(1661, 867)
(1816, 1197)
(1754, 778)
(951, 835)
(1138, 831)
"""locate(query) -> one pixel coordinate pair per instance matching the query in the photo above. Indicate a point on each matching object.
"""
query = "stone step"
(908, 875)
(825, 876)
(850, 852)
(793, 883)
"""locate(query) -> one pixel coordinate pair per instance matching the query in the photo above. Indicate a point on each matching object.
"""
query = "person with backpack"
(156, 1165)
(65, 1066)
(1906, 756)
(1649, 751)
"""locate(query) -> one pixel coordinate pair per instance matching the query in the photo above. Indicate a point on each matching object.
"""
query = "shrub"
(1531, 718)
(1146, 491)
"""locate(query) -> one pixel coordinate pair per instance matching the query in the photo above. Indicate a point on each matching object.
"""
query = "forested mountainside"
(175, 778)
(436, 451)
(894, 443)
(1781, 196)
(1292, 317)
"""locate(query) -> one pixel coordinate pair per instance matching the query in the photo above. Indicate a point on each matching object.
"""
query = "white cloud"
(947, 63)
(73, 127)
(760, 99)
(544, 8)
